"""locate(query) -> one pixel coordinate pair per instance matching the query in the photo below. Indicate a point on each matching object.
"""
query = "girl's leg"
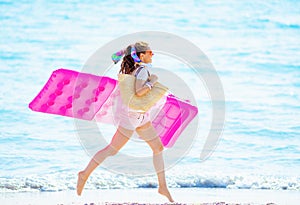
(148, 133)
(119, 139)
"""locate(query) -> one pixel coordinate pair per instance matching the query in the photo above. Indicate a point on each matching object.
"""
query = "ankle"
(162, 186)
(163, 189)
(83, 175)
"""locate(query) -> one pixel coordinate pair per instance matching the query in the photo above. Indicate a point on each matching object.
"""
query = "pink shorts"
(131, 120)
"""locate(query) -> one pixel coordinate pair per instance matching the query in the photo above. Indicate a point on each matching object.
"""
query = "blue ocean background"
(253, 45)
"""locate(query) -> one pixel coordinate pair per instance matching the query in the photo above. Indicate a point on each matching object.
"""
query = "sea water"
(253, 45)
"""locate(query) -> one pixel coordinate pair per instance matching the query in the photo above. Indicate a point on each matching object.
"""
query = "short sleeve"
(143, 74)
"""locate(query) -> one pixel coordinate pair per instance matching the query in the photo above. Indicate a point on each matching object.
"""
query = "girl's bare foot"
(165, 192)
(80, 182)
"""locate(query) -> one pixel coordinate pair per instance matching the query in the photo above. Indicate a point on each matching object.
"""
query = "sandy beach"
(200, 196)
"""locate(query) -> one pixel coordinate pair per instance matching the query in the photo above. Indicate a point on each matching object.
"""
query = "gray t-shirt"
(143, 73)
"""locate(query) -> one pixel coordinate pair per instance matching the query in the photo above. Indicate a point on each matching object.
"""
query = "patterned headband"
(116, 57)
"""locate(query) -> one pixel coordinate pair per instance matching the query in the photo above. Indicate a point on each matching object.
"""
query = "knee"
(158, 149)
(111, 150)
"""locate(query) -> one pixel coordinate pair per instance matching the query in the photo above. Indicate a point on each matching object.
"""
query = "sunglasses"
(150, 52)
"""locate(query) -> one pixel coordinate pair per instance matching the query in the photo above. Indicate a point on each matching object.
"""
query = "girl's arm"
(144, 86)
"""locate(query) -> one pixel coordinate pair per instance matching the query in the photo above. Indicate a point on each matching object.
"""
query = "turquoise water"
(254, 47)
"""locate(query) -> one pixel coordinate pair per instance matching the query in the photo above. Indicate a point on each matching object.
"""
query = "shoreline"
(199, 196)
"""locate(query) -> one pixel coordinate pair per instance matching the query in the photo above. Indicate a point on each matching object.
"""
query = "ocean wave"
(67, 181)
